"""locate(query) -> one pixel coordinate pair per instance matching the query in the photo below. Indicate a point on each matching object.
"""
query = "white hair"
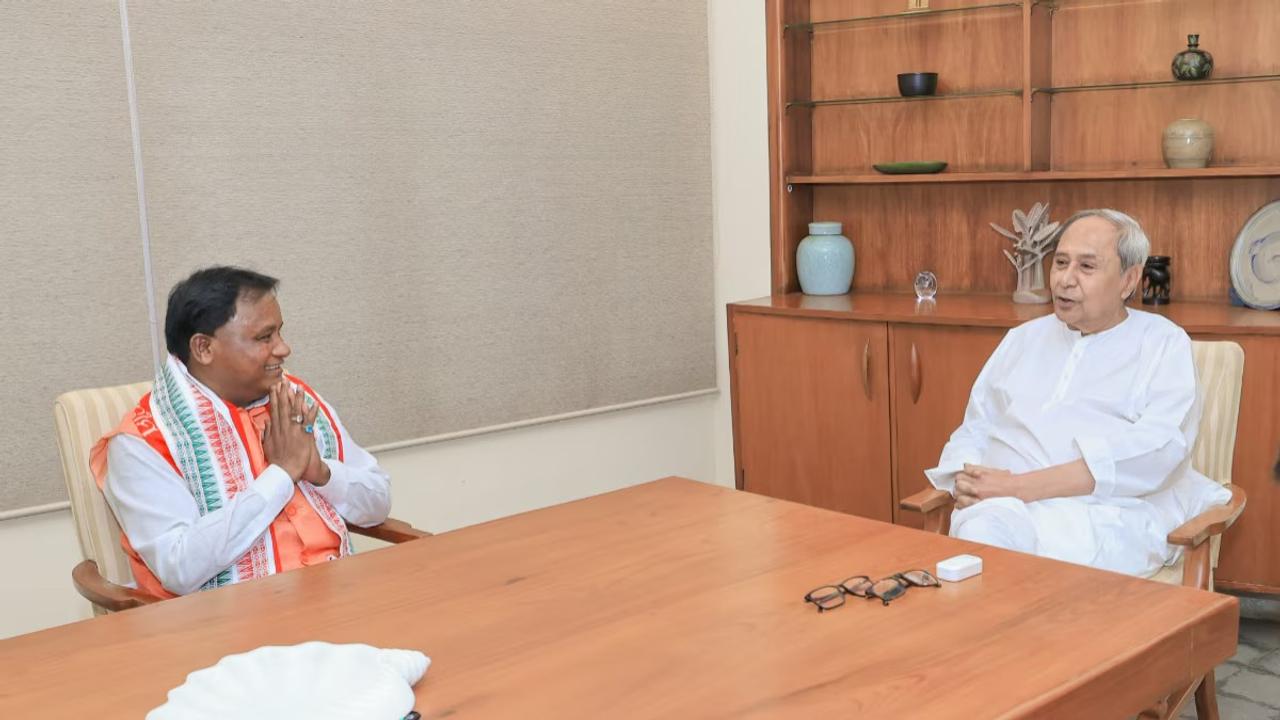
(1131, 242)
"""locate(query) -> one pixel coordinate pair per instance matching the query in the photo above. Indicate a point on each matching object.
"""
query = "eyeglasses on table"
(886, 589)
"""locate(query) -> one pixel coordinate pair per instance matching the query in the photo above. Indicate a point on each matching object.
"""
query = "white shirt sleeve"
(358, 488)
(163, 523)
(1142, 459)
(969, 441)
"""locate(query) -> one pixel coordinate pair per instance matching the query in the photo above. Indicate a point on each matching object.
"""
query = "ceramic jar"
(824, 260)
(1192, 63)
(1188, 143)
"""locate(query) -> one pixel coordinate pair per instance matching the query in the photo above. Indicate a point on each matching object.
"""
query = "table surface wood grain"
(669, 599)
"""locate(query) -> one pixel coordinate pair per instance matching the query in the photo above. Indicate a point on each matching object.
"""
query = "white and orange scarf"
(209, 445)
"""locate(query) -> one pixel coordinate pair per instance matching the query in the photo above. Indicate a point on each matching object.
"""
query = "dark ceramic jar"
(1192, 63)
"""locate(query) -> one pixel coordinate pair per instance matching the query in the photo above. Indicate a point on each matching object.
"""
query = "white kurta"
(1126, 401)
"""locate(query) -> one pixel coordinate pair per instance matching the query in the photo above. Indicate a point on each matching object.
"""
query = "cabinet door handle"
(866, 368)
(917, 375)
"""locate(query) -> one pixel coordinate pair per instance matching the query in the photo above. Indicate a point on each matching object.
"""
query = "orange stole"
(299, 535)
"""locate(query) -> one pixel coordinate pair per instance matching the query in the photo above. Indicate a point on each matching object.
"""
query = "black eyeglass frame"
(865, 588)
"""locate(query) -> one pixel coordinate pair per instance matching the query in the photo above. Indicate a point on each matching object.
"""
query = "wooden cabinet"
(848, 414)
(812, 410)
(932, 370)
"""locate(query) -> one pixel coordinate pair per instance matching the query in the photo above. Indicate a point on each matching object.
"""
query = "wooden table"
(673, 599)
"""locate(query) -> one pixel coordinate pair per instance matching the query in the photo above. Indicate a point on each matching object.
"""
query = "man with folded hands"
(230, 469)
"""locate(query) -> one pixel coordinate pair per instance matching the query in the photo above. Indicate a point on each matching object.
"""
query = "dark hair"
(206, 301)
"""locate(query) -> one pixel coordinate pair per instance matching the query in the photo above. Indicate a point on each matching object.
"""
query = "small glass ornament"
(926, 285)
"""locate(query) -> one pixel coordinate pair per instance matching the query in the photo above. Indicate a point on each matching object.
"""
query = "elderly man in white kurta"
(1077, 438)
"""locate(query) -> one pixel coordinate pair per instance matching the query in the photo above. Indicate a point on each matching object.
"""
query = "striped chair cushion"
(1219, 374)
(1220, 371)
(80, 418)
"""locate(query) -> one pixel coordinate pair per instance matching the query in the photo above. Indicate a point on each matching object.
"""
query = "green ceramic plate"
(910, 168)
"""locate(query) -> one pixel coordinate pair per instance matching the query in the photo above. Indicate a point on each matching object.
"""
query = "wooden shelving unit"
(1014, 92)
(1058, 101)
(1209, 82)
(1061, 101)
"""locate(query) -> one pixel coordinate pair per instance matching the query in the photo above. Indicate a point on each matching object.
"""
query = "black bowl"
(912, 84)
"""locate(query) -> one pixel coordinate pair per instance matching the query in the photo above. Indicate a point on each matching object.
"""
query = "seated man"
(231, 469)
(1077, 438)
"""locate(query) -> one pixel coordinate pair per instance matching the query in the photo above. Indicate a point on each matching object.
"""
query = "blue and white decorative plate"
(1255, 260)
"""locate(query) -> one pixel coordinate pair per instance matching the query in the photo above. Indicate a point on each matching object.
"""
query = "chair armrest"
(926, 501)
(104, 593)
(390, 530)
(1211, 522)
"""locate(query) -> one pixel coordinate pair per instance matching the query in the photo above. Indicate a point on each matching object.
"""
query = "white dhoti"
(1076, 530)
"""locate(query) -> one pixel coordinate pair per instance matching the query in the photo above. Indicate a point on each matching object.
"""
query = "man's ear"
(201, 347)
(1132, 280)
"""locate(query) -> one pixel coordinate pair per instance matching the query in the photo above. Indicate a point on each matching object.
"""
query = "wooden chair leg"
(1206, 702)
(938, 520)
(1196, 567)
(1172, 705)
(1207, 699)
(1157, 712)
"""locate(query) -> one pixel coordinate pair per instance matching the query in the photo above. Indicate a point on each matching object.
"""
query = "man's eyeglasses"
(886, 590)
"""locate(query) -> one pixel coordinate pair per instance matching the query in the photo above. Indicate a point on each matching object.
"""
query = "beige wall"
(740, 181)
(38, 594)
(461, 482)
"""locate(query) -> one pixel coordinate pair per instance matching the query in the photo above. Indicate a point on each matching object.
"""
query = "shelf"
(1012, 92)
(1056, 5)
(971, 309)
(1158, 83)
(1038, 176)
(910, 14)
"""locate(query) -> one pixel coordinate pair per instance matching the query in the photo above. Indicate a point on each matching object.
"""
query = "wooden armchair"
(1220, 370)
(103, 577)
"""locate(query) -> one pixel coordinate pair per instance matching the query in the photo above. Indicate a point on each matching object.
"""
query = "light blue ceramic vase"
(824, 260)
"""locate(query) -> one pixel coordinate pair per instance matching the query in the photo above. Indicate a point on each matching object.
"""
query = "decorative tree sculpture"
(1032, 238)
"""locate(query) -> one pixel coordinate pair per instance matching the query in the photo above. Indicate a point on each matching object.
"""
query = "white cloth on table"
(1125, 400)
